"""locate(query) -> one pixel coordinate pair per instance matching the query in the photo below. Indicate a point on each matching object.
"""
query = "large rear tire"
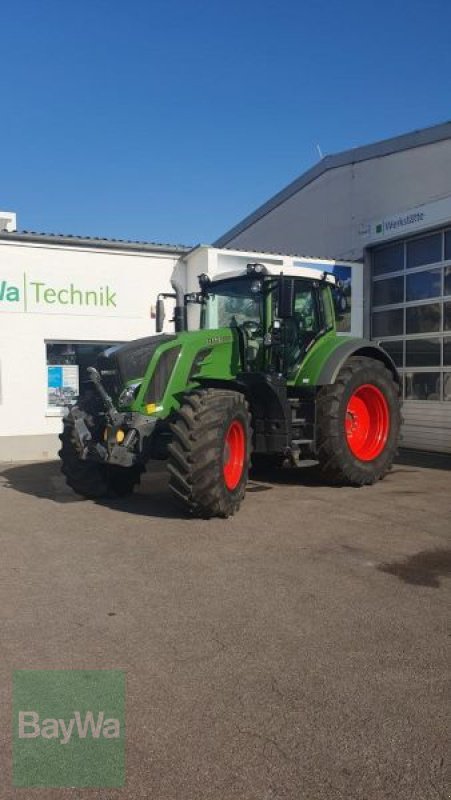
(210, 452)
(92, 479)
(358, 423)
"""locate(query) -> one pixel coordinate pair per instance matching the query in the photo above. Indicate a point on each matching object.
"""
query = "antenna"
(320, 152)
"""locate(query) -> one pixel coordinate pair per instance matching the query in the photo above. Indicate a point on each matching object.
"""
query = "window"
(447, 316)
(302, 327)
(447, 351)
(388, 259)
(328, 310)
(423, 386)
(447, 281)
(448, 246)
(423, 285)
(421, 322)
(388, 323)
(67, 364)
(427, 250)
(388, 291)
(447, 386)
(423, 319)
(395, 350)
(305, 309)
(423, 352)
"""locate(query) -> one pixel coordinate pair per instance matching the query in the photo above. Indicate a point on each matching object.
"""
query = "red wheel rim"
(234, 450)
(367, 422)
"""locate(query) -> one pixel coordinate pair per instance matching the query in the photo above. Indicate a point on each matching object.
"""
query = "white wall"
(325, 217)
(128, 282)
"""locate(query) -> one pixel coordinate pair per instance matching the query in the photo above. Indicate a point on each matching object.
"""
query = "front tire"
(210, 452)
(358, 423)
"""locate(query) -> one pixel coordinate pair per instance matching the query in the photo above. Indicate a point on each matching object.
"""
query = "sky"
(171, 120)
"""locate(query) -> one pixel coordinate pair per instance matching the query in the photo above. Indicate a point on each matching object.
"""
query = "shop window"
(423, 352)
(423, 285)
(388, 323)
(388, 259)
(423, 319)
(427, 250)
(423, 385)
(395, 349)
(447, 281)
(67, 364)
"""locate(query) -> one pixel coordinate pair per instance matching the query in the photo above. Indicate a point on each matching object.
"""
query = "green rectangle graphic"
(69, 728)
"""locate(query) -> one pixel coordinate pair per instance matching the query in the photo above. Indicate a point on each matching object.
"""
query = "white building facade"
(387, 205)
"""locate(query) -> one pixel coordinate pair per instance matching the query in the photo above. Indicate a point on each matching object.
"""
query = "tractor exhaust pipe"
(180, 322)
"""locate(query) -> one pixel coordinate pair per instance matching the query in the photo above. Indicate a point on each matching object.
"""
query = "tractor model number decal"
(219, 339)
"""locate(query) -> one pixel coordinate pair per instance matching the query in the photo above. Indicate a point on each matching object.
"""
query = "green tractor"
(264, 379)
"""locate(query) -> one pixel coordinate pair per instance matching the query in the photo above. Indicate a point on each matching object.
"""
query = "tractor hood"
(151, 375)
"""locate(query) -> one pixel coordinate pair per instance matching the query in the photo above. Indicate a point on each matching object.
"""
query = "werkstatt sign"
(410, 221)
(29, 294)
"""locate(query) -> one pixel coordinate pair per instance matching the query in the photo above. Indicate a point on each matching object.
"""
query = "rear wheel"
(92, 479)
(358, 423)
(209, 453)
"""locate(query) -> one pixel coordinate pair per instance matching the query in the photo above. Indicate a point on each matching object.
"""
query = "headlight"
(129, 393)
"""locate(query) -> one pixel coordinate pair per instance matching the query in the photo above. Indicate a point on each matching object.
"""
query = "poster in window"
(342, 294)
(62, 384)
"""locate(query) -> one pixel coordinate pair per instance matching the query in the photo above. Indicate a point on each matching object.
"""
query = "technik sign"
(29, 295)
(406, 222)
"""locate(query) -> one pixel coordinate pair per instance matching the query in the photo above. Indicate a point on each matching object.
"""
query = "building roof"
(69, 239)
(397, 144)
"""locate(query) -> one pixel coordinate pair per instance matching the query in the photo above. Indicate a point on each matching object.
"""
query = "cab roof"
(311, 273)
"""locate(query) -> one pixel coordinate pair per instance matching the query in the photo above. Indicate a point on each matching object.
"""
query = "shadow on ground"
(421, 569)
(44, 480)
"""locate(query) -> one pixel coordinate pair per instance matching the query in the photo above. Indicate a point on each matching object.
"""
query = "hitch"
(111, 409)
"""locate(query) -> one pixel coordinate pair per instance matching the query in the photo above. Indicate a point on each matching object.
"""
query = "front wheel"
(210, 451)
(358, 423)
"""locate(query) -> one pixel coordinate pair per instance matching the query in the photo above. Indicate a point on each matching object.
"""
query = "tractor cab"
(276, 315)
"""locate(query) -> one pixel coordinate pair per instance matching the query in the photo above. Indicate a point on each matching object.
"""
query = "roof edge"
(70, 240)
(384, 147)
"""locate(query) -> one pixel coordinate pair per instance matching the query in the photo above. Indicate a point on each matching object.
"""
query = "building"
(63, 299)
(387, 205)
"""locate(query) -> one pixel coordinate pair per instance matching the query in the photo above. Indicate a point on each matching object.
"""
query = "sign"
(62, 384)
(30, 295)
(410, 221)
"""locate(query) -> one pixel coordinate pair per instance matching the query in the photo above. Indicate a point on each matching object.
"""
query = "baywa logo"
(37, 294)
(68, 728)
(9, 293)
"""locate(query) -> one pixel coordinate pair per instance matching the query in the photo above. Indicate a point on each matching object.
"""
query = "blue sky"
(170, 120)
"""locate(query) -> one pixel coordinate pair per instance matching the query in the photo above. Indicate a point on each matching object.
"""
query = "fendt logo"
(8, 293)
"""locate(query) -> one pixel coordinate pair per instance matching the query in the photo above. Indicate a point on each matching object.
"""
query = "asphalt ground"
(298, 650)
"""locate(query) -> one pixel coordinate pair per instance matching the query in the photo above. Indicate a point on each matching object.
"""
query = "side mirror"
(159, 324)
(285, 303)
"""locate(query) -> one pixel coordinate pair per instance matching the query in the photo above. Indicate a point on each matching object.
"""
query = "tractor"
(263, 379)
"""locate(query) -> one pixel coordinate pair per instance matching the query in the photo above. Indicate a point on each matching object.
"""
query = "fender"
(354, 347)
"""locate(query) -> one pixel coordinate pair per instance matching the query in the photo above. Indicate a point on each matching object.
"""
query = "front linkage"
(121, 438)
